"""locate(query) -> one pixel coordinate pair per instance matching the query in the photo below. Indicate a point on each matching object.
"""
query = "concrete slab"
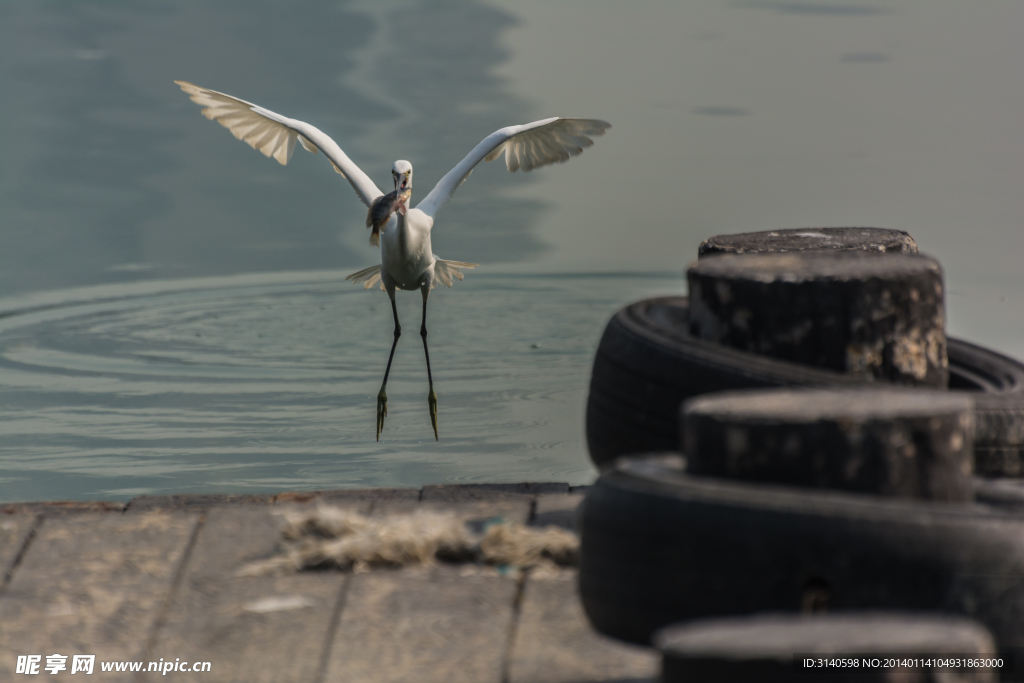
(443, 624)
(14, 531)
(554, 643)
(262, 628)
(93, 583)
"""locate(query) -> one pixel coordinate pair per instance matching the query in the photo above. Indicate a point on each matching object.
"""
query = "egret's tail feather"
(446, 270)
(371, 276)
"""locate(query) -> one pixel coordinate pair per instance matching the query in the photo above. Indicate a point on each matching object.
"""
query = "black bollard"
(875, 316)
(877, 240)
(910, 443)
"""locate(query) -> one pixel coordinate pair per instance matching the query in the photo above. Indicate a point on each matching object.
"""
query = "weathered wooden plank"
(447, 493)
(373, 496)
(424, 625)
(554, 643)
(515, 508)
(61, 507)
(557, 510)
(93, 584)
(97, 584)
(472, 502)
(263, 628)
(531, 487)
(197, 502)
(298, 497)
(14, 531)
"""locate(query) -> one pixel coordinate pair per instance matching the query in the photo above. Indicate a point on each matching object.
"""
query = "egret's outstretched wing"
(535, 144)
(275, 135)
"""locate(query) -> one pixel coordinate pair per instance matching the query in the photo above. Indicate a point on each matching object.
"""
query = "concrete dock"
(155, 579)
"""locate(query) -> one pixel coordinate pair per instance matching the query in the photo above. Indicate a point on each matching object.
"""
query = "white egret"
(407, 261)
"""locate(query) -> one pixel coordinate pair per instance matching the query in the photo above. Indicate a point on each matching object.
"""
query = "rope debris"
(333, 538)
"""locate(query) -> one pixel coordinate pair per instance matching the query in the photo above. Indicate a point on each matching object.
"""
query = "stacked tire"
(835, 474)
(649, 361)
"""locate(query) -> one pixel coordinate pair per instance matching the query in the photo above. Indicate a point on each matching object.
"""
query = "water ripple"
(267, 382)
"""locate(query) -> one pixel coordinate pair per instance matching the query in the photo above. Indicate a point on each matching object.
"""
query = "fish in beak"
(382, 207)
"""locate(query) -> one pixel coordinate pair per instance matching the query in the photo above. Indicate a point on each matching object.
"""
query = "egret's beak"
(405, 182)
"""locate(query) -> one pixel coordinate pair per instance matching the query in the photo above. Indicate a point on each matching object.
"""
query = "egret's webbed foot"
(432, 405)
(382, 411)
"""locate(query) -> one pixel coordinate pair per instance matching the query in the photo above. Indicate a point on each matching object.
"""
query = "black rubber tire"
(996, 383)
(659, 547)
(647, 364)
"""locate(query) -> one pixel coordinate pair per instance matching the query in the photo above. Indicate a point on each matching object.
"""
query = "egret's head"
(402, 172)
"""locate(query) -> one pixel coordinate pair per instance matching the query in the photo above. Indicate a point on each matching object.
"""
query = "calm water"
(269, 382)
(174, 315)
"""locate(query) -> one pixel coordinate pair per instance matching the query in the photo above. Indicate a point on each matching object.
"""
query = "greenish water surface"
(174, 312)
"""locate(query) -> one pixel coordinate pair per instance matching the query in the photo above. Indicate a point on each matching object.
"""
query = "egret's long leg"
(431, 397)
(382, 397)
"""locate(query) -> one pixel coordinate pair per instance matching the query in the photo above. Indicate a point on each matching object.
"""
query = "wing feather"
(266, 135)
(446, 270)
(308, 146)
(275, 135)
(285, 147)
(526, 147)
(512, 156)
(495, 153)
(370, 275)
